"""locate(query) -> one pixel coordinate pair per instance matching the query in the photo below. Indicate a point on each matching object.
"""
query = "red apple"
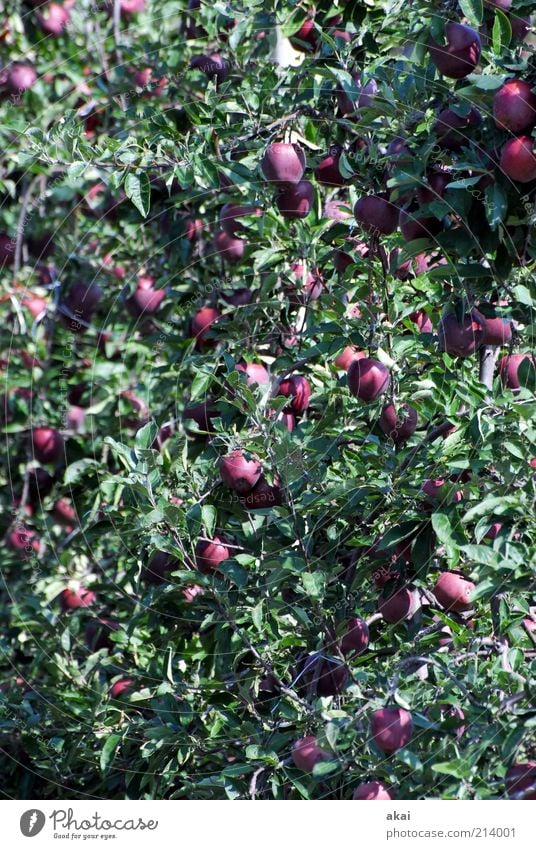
(212, 66)
(391, 728)
(398, 425)
(130, 7)
(64, 513)
(240, 471)
(262, 496)
(202, 322)
(327, 171)
(306, 33)
(256, 373)
(356, 636)
(434, 187)
(306, 753)
(299, 390)
(288, 420)
(47, 445)
(373, 790)
(54, 19)
(452, 129)
(344, 359)
(497, 331)
(423, 321)
(461, 339)
(230, 249)
(146, 299)
(157, 570)
(518, 160)
(521, 781)
(310, 283)
(296, 201)
(20, 77)
(520, 26)
(210, 553)
(73, 599)
(98, 633)
(435, 489)
(514, 106)
(36, 306)
(452, 591)
(202, 415)
(377, 215)
(231, 212)
(368, 379)
(459, 56)
(402, 604)
(191, 592)
(415, 226)
(509, 369)
(121, 687)
(82, 300)
(238, 298)
(328, 676)
(23, 539)
(283, 163)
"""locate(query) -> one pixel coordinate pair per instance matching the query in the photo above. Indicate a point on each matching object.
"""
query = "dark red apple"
(329, 676)
(212, 66)
(356, 636)
(503, 5)
(520, 26)
(262, 496)
(210, 553)
(288, 420)
(377, 215)
(518, 160)
(283, 163)
(497, 331)
(157, 570)
(344, 359)
(327, 171)
(146, 299)
(65, 514)
(514, 106)
(521, 781)
(509, 369)
(24, 540)
(230, 214)
(238, 298)
(373, 790)
(438, 489)
(256, 373)
(368, 379)
(413, 225)
(240, 471)
(434, 187)
(47, 445)
(122, 687)
(306, 753)
(461, 339)
(20, 77)
(391, 728)
(53, 19)
(399, 424)
(98, 633)
(452, 591)
(402, 604)
(202, 322)
(82, 300)
(423, 321)
(296, 201)
(298, 389)
(73, 599)
(202, 415)
(307, 34)
(310, 283)
(459, 56)
(453, 130)
(230, 249)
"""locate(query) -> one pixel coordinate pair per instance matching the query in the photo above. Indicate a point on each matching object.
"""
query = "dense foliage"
(173, 622)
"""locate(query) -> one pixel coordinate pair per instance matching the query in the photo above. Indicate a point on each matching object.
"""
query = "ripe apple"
(423, 321)
(54, 19)
(231, 212)
(452, 129)
(415, 226)
(329, 676)
(65, 514)
(121, 687)
(356, 636)
(73, 599)
(435, 489)
(191, 592)
(497, 330)
(20, 77)
(296, 201)
(459, 56)
(519, 778)
(391, 728)
(202, 415)
(255, 372)
(461, 339)
(212, 66)
(82, 301)
(288, 420)
(514, 106)
(376, 214)
(344, 359)
(98, 633)
(402, 604)
(310, 283)
(283, 163)
(210, 553)
(518, 160)
(367, 379)
(262, 496)
(373, 790)
(509, 369)
(130, 7)
(398, 425)
(452, 591)
(306, 34)
(47, 444)
(23, 540)
(520, 26)
(327, 171)
(434, 187)
(306, 753)
(240, 471)
(504, 5)
(157, 570)
(202, 322)
(230, 249)
(238, 297)
(146, 299)
(298, 389)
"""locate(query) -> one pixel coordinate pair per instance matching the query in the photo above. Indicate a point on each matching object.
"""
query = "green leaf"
(138, 190)
(108, 751)
(496, 205)
(314, 583)
(501, 34)
(146, 435)
(473, 11)
(209, 516)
